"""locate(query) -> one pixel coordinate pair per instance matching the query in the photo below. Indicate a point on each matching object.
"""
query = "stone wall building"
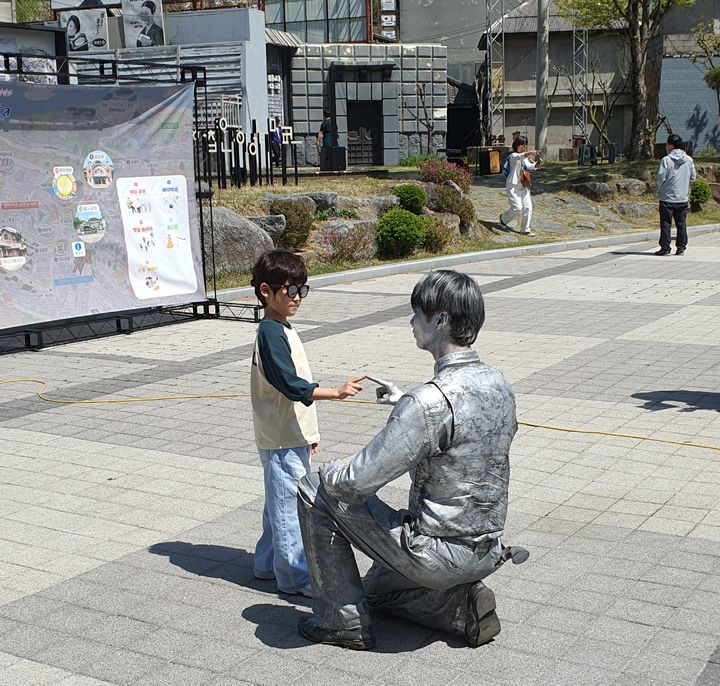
(382, 98)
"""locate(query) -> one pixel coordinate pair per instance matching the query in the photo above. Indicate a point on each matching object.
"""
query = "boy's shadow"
(277, 624)
(233, 565)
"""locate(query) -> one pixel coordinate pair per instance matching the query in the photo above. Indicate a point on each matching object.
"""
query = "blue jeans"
(280, 548)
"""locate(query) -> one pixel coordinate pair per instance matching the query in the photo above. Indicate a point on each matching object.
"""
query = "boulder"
(272, 224)
(595, 190)
(458, 191)
(238, 241)
(643, 174)
(585, 224)
(450, 220)
(635, 209)
(600, 177)
(324, 201)
(363, 245)
(715, 190)
(372, 207)
(632, 187)
(305, 200)
(710, 174)
(431, 190)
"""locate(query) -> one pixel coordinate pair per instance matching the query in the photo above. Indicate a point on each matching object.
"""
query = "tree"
(638, 21)
(602, 95)
(421, 115)
(709, 43)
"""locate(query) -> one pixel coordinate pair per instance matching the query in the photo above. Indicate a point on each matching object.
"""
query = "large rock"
(303, 200)
(457, 191)
(636, 209)
(710, 174)
(431, 190)
(595, 190)
(272, 224)
(371, 207)
(361, 245)
(238, 241)
(632, 186)
(324, 201)
(450, 220)
(643, 174)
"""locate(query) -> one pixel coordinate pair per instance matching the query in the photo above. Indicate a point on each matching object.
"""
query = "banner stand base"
(37, 337)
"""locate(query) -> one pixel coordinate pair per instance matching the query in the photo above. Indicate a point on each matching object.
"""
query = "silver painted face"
(424, 330)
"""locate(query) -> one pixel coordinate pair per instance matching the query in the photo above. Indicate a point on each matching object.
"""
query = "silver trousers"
(416, 577)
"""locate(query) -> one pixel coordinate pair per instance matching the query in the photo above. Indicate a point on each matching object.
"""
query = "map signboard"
(97, 208)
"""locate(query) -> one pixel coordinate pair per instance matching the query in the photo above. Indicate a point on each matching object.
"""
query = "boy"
(286, 430)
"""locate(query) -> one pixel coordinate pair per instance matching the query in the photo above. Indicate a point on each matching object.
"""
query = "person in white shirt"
(518, 194)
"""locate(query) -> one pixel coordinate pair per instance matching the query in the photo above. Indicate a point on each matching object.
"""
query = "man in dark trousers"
(674, 176)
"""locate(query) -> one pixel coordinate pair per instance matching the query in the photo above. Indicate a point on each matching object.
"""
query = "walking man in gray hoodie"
(674, 176)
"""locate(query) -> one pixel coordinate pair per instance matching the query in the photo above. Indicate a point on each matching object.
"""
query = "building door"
(365, 132)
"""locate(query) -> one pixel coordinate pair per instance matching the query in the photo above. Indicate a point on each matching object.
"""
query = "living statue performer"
(453, 435)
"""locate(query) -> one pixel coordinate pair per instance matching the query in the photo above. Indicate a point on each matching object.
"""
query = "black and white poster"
(86, 30)
(143, 23)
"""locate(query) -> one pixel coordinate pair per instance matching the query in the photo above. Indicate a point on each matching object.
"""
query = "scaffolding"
(580, 86)
(495, 36)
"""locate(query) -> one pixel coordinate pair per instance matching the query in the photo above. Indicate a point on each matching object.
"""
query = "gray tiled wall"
(419, 76)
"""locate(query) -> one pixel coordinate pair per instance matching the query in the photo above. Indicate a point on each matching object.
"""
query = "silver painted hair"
(446, 290)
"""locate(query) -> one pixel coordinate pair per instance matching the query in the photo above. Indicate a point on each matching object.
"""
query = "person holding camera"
(517, 185)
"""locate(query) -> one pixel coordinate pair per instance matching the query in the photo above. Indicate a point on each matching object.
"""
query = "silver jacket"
(453, 435)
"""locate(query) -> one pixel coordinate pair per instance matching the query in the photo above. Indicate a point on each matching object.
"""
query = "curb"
(464, 258)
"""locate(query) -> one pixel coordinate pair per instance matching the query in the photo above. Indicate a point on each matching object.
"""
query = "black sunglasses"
(291, 289)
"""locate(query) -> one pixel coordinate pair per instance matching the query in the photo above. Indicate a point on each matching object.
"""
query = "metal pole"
(541, 84)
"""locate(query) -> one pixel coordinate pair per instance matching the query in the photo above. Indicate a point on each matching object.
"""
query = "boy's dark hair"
(675, 141)
(520, 140)
(446, 290)
(275, 267)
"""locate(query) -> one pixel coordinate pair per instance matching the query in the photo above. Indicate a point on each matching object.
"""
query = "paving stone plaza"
(127, 529)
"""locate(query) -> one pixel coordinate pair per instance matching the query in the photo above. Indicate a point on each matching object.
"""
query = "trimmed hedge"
(399, 233)
(412, 198)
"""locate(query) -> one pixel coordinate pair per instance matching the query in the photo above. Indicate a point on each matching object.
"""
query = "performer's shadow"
(277, 623)
(277, 628)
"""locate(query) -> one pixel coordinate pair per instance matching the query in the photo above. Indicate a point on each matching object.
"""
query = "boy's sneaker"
(503, 225)
(662, 252)
(482, 624)
(354, 640)
(299, 590)
(680, 251)
(527, 232)
(269, 576)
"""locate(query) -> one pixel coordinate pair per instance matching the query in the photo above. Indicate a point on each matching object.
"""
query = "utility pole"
(541, 84)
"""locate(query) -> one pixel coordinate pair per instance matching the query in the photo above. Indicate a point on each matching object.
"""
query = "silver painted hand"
(388, 393)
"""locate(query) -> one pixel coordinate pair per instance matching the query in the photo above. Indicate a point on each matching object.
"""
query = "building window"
(320, 21)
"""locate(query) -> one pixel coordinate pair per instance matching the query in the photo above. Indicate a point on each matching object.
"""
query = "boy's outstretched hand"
(349, 388)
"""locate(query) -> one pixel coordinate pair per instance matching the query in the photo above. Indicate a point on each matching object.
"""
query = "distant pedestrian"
(517, 185)
(674, 176)
(325, 137)
(276, 145)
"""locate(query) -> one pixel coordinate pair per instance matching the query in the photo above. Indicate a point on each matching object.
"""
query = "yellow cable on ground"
(43, 386)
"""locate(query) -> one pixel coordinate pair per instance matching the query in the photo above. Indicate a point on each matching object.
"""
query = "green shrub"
(299, 222)
(413, 160)
(399, 233)
(439, 171)
(700, 192)
(322, 215)
(438, 234)
(412, 198)
(448, 201)
(348, 213)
